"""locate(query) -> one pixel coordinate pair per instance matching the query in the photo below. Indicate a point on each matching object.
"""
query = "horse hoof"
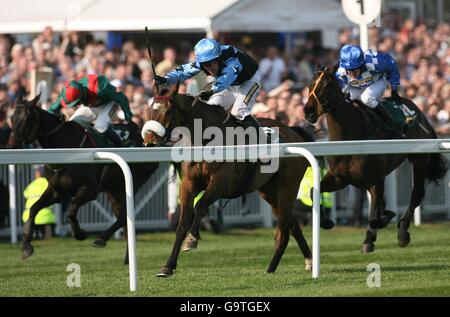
(386, 218)
(81, 235)
(404, 238)
(27, 251)
(308, 265)
(368, 248)
(99, 243)
(327, 224)
(190, 243)
(165, 272)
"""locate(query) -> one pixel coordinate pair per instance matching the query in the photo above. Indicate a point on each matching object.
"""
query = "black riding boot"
(113, 137)
(384, 114)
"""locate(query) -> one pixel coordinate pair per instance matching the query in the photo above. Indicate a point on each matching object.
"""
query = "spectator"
(5, 130)
(272, 69)
(168, 63)
(422, 54)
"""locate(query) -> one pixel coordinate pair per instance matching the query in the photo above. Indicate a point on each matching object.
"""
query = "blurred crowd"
(422, 53)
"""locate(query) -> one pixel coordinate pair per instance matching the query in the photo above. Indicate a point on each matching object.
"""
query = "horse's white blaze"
(153, 126)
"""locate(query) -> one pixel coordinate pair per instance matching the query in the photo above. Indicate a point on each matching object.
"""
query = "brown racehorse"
(74, 183)
(223, 179)
(354, 121)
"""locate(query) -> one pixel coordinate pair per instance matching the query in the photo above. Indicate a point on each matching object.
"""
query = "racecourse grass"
(234, 264)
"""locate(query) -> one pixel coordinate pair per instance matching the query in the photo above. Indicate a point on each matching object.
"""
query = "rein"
(59, 126)
(166, 138)
(313, 93)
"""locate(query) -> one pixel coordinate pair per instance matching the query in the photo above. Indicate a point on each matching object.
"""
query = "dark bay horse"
(72, 183)
(224, 179)
(354, 121)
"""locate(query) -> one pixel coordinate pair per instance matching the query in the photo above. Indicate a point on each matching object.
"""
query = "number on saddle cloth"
(403, 116)
(127, 136)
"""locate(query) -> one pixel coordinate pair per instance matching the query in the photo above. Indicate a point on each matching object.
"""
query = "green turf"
(234, 264)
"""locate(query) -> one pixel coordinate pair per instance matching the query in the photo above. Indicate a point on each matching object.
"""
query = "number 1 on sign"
(361, 2)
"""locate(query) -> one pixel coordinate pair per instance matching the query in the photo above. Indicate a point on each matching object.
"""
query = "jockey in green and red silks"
(98, 100)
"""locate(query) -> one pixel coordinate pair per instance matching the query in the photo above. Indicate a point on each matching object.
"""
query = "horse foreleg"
(302, 244)
(118, 207)
(369, 243)
(214, 190)
(83, 195)
(331, 183)
(48, 198)
(282, 233)
(376, 208)
(378, 216)
(417, 194)
(187, 192)
(377, 204)
(282, 205)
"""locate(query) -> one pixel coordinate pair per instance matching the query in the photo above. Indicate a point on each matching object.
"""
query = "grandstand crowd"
(422, 53)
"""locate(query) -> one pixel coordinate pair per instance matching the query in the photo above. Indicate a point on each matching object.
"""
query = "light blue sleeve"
(230, 72)
(182, 73)
(386, 64)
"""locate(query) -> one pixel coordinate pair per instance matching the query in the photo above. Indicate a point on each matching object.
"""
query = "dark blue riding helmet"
(351, 57)
(206, 50)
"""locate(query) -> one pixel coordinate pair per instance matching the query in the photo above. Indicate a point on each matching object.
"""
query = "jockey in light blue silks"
(365, 76)
(237, 79)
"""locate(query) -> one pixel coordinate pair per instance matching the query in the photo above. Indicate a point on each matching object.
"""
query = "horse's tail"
(438, 165)
(306, 136)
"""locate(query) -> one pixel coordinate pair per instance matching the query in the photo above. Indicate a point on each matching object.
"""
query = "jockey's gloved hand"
(160, 80)
(347, 95)
(205, 95)
(396, 97)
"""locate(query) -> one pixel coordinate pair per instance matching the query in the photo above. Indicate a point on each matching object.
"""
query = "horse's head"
(322, 91)
(161, 117)
(26, 122)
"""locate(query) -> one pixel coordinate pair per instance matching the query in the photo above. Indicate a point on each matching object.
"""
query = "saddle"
(404, 117)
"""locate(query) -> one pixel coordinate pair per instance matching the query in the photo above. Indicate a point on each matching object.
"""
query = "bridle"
(55, 129)
(324, 106)
(166, 138)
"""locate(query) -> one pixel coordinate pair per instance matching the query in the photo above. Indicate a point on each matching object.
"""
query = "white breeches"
(370, 95)
(241, 98)
(101, 114)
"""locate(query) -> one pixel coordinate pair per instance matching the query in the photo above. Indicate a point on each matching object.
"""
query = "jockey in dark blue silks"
(365, 75)
(237, 78)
